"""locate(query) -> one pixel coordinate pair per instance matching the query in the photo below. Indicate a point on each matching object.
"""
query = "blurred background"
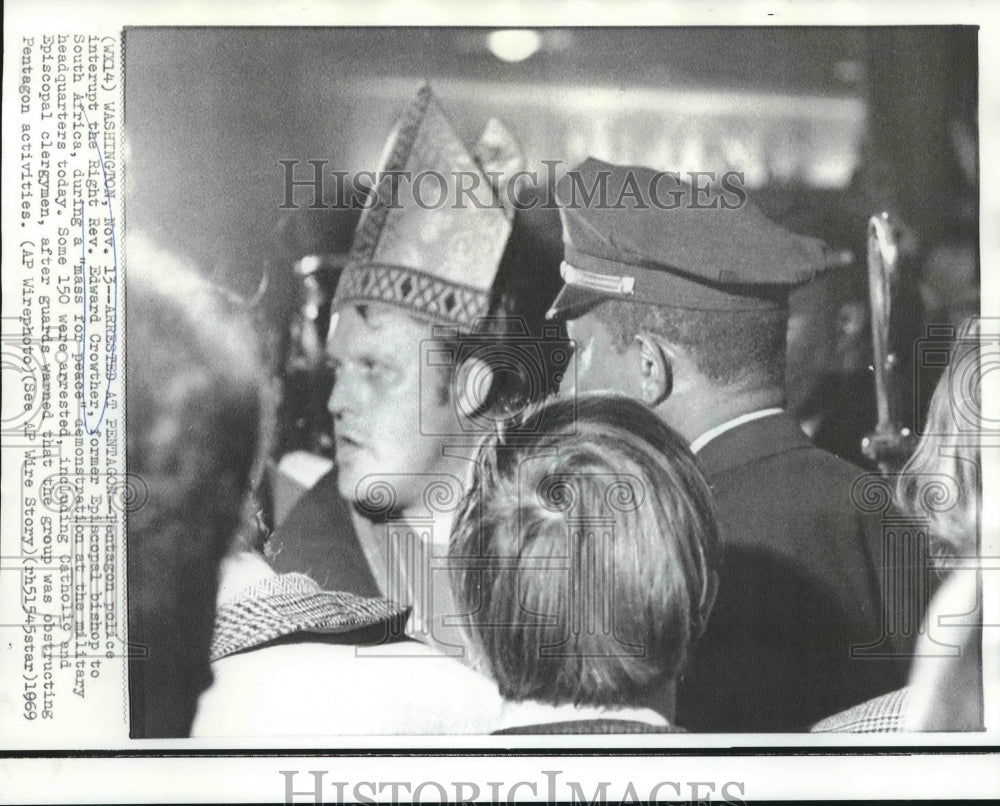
(828, 125)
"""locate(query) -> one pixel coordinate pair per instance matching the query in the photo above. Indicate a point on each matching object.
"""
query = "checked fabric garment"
(286, 604)
(885, 714)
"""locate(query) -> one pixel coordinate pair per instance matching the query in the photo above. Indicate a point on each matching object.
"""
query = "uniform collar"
(712, 433)
(752, 440)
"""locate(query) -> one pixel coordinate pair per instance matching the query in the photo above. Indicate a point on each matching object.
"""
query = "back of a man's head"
(585, 555)
(193, 391)
(729, 348)
(694, 272)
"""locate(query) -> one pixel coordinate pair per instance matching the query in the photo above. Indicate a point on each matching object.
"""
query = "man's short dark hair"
(584, 554)
(727, 346)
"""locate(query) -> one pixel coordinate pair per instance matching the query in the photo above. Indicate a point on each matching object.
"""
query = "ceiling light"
(514, 45)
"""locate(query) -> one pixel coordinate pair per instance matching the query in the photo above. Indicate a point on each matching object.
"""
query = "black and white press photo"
(544, 400)
(553, 381)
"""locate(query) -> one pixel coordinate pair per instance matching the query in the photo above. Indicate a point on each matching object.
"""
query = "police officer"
(675, 293)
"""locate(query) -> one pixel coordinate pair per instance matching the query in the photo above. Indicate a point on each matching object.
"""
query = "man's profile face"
(376, 404)
(598, 365)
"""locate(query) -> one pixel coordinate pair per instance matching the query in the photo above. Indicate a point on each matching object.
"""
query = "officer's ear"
(473, 382)
(656, 368)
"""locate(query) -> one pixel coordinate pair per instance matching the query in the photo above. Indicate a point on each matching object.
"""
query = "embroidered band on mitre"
(432, 241)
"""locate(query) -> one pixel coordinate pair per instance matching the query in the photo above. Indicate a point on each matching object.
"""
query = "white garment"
(320, 689)
(949, 663)
(315, 689)
(531, 712)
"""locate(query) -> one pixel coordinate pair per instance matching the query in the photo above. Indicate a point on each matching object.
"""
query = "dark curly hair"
(727, 346)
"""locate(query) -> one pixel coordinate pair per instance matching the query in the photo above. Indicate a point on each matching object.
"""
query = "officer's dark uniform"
(801, 581)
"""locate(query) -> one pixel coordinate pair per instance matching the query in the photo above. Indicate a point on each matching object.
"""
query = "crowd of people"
(567, 494)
